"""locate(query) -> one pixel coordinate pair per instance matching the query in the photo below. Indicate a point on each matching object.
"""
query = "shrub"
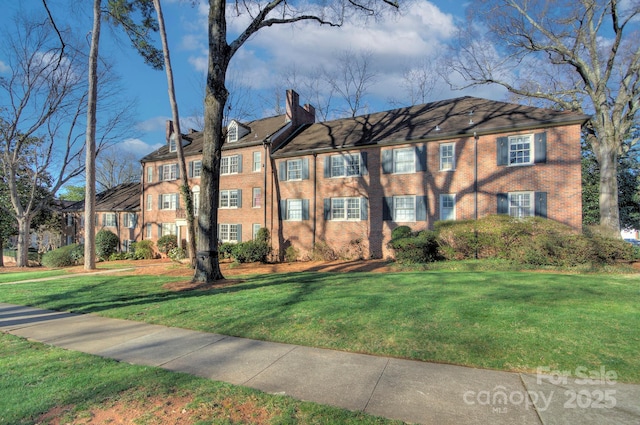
(143, 250)
(118, 256)
(420, 247)
(166, 243)
(291, 254)
(250, 252)
(226, 250)
(401, 232)
(65, 256)
(321, 252)
(106, 243)
(177, 254)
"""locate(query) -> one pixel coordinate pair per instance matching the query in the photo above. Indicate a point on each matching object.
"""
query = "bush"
(118, 256)
(322, 252)
(251, 252)
(226, 250)
(177, 254)
(291, 254)
(143, 250)
(66, 256)
(401, 232)
(166, 243)
(106, 244)
(420, 247)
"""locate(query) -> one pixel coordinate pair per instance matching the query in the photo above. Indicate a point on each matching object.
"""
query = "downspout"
(475, 190)
(265, 143)
(315, 191)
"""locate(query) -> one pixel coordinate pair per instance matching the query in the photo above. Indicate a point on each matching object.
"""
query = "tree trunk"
(2, 252)
(90, 194)
(609, 210)
(207, 261)
(185, 190)
(22, 255)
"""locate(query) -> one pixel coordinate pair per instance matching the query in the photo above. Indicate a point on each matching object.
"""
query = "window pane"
(233, 199)
(337, 209)
(294, 209)
(404, 208)
(257, 161)
(520, 205)
(224, 199)
(447, 207)
(224, 165)
(520, 149)
(233, 164)
(294, 169)
(337, 166)
(197, 168)
(353, 165)
(353, 208)
(446, 157)
(403, 161)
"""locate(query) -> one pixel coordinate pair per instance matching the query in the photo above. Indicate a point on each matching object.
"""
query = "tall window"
(129, 220)
(196, 168)
(257, 197)
(447, 207)
(257, 161)
(169, 201)
(148, 230)
(520, 150)
(404, 161)
(230, 198)
(294, 169)
(404, 208)
(447, 156)
(149, 174)
(229, 164)
(294, 209)
(196, 200)
(169, 172)
(254, 231)
(167, 229)
(520, 204)
(232, 132)
(149, 202)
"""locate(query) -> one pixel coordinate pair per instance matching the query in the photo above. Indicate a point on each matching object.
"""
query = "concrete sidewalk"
(412, 391)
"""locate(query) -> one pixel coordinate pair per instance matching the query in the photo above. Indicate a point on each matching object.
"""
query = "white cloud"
(154, 124)
(138, 147)
(4, 67)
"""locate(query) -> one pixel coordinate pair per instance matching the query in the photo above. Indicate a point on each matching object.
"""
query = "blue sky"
(396, 43)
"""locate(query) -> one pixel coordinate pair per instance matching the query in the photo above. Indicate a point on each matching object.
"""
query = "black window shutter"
(305, 168)
(190, 169)
(160, 172)
(239, 198)
(239, 228)
(541, 204)
(327, 166)
(421, 158)
(387, 208)
(305, 209)
(503, 203)
(283, 209)
(239, 163)
(177, 198)
(387, 162)
(177, 171)
(327, 208)
(421, 208)
(283, 171)
(503, 150)
(159, 202)
(540, 148)
(363, 164)
(364, 209)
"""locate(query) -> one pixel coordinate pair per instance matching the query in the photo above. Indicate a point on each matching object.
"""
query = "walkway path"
(412, 391)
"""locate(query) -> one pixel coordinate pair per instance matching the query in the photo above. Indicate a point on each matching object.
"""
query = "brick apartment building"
(347, 183)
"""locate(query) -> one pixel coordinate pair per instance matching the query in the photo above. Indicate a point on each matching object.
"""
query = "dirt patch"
(161, 410)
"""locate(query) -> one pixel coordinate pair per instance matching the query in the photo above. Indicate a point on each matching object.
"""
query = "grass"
(37, 378)
(28, 275)
(516, 321)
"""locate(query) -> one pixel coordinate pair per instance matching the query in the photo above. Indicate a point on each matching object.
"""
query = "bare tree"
(351, 80)
(420, 82)
(261, 14)
(43, 91)
(577, 55)
(114, 167)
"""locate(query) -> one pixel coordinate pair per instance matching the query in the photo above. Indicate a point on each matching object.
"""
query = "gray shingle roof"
(124, 197)
(433, 121)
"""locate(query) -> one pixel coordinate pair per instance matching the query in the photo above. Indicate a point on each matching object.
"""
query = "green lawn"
(515, 321)
(35, 378)
(6, 277)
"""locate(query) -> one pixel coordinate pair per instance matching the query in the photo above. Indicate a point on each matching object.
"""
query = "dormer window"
(236, 131)
(172, 145)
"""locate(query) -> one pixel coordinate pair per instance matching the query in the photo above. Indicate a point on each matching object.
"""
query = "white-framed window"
(232, 132)
(129, 220)
(109, 219)
(257, 161)
(196, 168)
(404, 208)
(149, 202)
(230, 198)
(195, 192)
(229, 164)
(126, 245)
(167, 229)
(169, 172)
(294, 209)
(447, 207)
(404, 161)
(294, 169)
(229, 232)
(168, 201)
(447, 156)
(345, 208)
(346, 165)
(257, 197)
(254, 230)
(149, 230)
(521, 149)
(173, 147)
(521, 204)
(149, 174)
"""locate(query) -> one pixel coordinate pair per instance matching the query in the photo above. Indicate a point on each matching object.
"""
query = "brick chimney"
(169, 130)
(297, 114)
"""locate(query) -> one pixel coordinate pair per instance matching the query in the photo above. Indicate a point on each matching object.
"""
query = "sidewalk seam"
(373, 390)
(535, 408)
(161, 365)
(294, 347)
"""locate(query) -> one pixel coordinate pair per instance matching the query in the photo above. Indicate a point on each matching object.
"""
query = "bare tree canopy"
(576, 55)
(115, 167)
(260, 14)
